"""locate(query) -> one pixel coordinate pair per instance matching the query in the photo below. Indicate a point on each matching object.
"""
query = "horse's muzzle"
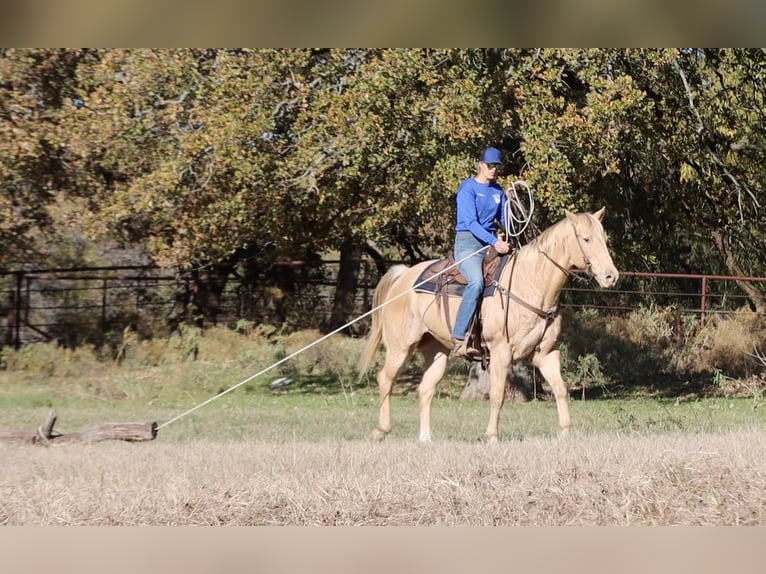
(608, 278)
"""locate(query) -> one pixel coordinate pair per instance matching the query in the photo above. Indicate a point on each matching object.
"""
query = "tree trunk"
(207, 286)
(345, 287)
(756, 297)
(519, 384)
(380, 262)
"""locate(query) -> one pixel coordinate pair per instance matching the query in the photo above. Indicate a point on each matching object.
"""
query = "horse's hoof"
(377, 435)
(492, 439)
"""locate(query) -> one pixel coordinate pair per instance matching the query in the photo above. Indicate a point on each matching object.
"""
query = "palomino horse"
(529, 312)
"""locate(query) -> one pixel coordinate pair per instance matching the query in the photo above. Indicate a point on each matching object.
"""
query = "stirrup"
(461, 349)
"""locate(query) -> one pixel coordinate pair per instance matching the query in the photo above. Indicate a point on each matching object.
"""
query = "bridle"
(551, 314)
(579, 274)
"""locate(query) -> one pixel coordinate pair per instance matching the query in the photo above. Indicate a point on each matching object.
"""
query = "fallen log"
(45, 435)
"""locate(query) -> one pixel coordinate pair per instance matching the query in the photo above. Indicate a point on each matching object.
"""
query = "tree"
(219, 159)
(35, 86)
(670, 140)
(382, 143)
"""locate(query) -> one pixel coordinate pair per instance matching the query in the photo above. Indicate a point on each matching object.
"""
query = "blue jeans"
(465, 244)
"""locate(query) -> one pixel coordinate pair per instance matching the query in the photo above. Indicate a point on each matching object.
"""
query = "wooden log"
(19, 435)
(46, 430)
(131, 432)
(44, 434)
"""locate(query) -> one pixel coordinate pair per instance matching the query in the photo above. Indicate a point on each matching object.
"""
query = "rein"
(580, 276)
(550, 315)
(547, 316)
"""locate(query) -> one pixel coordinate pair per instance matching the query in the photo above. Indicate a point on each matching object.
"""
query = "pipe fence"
(96, 304)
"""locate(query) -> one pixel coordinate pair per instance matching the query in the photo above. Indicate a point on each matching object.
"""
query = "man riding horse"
(480, 203)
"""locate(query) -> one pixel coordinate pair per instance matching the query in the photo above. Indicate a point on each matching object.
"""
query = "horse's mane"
(550, 240)
(555, 235)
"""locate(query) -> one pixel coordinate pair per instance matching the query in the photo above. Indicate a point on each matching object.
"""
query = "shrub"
(49, 359)
(336, 356)
(726, 344)
(649, 347)
(649, 327)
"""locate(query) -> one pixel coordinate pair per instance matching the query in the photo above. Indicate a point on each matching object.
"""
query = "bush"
(653, 347)
(49, 359)
(336, 356)
(662, 348)
(727, 344)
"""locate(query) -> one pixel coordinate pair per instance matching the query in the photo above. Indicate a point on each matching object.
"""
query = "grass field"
(300, 456)
(315, 409)
(645, 452)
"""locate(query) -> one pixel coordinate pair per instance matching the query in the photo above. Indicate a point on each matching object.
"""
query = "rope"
(327, 336)
(518, 216)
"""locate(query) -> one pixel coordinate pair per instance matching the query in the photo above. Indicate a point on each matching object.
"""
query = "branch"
(690, 96)
(759, 356)
(179, 100)
(708, 147)
(745, 146)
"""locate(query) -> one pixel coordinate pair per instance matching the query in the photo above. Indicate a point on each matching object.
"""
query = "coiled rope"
(517, 215)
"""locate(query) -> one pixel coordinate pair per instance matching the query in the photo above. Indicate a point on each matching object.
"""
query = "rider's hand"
(502, 247)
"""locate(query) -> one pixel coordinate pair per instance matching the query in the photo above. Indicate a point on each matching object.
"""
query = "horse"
(520, 321)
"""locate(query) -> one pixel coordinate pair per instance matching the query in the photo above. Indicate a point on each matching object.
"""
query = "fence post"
(703, 300)
(366, 284)
(17, 311)
(103, 304)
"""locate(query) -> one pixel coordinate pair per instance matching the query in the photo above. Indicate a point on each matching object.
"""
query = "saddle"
(443, 278)
(434, 278)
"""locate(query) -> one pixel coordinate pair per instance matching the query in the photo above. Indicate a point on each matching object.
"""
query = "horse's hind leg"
(436, 365)
(394, 360)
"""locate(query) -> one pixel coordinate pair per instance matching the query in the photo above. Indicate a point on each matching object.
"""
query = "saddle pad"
(454, 289)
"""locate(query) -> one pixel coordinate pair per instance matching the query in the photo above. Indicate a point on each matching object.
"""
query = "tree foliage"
(209, 156)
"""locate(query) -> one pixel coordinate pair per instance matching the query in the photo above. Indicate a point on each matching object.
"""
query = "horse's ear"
(568, 213)
(600, 214)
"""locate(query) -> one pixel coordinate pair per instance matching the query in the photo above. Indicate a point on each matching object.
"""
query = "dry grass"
(651, 463)
(672, 479)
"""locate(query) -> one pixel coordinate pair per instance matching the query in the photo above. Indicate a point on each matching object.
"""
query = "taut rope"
(327, 336)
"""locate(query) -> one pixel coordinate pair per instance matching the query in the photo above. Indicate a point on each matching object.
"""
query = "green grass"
(315, 409)
(156, 382)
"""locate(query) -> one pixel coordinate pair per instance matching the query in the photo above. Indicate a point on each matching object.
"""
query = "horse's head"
(593, 254)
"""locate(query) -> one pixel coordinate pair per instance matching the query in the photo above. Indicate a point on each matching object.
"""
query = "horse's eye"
(586, 239)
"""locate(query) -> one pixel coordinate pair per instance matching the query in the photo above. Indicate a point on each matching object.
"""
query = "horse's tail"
(376, 330)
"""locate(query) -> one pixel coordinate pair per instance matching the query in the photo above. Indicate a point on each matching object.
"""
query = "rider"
(480, 202)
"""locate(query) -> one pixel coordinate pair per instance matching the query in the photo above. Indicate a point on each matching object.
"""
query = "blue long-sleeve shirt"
(478, 206)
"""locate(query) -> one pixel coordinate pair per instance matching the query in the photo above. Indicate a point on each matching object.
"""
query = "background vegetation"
(719, 359)
(221, 163)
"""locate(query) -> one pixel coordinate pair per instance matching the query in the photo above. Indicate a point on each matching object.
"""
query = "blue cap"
(492, 155)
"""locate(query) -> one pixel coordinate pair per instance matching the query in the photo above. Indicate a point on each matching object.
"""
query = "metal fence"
(687, 293)
(89, 304)
(60, 304)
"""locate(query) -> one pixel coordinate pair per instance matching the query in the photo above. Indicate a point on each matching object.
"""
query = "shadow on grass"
(326, 384)
(300, 385)
(658, 385)
(629, 370)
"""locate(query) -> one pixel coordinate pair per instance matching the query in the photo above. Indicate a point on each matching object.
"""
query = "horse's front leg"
(498, 372)
(550, 368)
(385, 384)
(435, 357)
